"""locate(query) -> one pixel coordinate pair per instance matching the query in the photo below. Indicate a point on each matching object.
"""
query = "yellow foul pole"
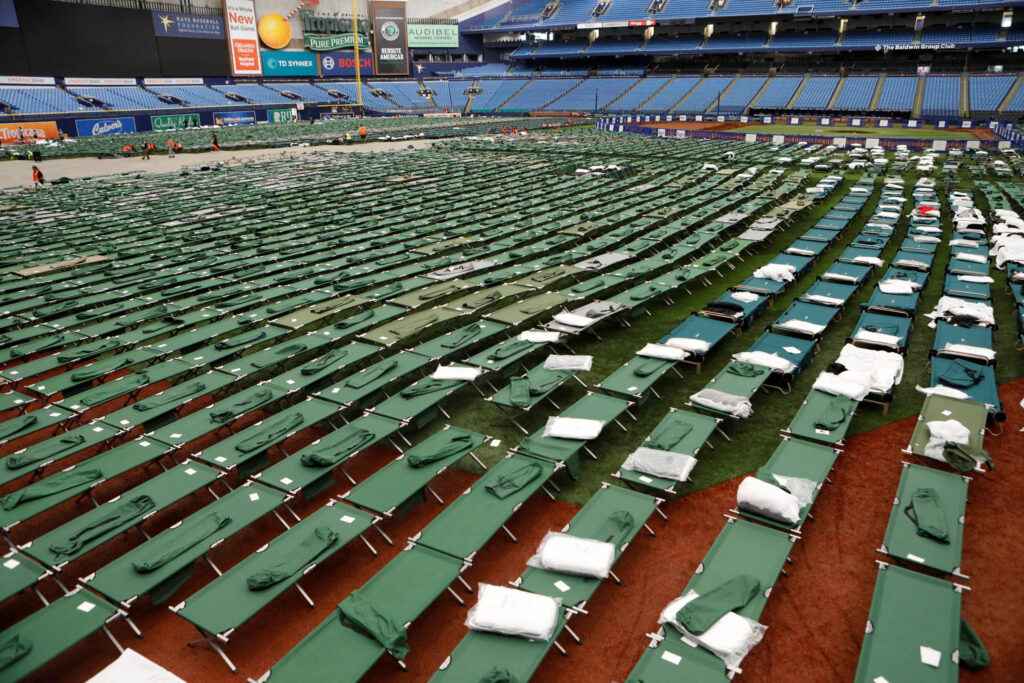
(355, 52)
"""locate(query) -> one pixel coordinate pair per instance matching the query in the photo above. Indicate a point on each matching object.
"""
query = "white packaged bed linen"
(969, 351)
(744, 297)
(824, 300)
(868, 260)
(577, 363)
(730, 638)
(689, 344)
(514, 612)
(972, 258)
(662, 351)
(538, 336)
(869, 337)
(570, 554)
(779, 272)
(769, 360)
(462, 372)
(737, 406)
(768, 501)
(942, 390)
(802, 326)
(855, 385)
(658, 463)
(573, 428)
(886, 367)
(574, 320)
(941, 432)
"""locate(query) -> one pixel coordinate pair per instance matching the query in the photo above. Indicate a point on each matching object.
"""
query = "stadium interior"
(498, 341)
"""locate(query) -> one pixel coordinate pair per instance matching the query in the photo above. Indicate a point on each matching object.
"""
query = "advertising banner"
(174, 121)
(243, 45)
(433, 35)
(288, 63)
(172, 81)
(27, 80)
(28, 131)
(282, 115)
(235, 118)
(99, 81)
(344, 64)
(90, 127)
(390, 51)
(178, 25)
(326, 43)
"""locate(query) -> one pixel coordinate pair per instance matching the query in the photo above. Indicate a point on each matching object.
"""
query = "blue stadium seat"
(494, 92)
(856, 93)
(779, 92)
(676, 90)
(640, 94)
(450, 94)
(403, 93)
(898, 94)
(803, 41)
(538, 93)
(600, 90)
(817, 93)
(941, 96)
(986, 93)
(122, 98)
(257, 94)
(704, 96)
(740, 94)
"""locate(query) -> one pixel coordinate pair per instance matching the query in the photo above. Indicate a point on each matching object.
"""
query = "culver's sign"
(90, 127)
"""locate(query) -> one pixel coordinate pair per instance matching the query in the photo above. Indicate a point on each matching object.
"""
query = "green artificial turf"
(753, 439)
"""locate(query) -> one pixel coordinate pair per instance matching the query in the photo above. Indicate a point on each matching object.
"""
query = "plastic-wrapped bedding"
(538, 336)
(745, 297)
(513, 612)
(574, 320)
(577, 363)
(885, 367)
(737, 406)
(689, 344)
(662, 351)
(954, 306)
(855, 385)
(569, 554)
(730, 638)
(897, 287)
(769, 360)
(941, 432)
(969, 351)
(768, 501)
(658, 463)
(573, 428)
(869, 337)
(802, 326)
(943, 390)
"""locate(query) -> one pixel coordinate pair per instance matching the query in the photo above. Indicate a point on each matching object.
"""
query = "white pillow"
(538, 336)
(768, 501)
(745, 297)
(569, 554)
(662, 351)
(689, 344)
(573, 428)
(556, 362)
(769, 360)
(970, 351)
(574, 320)
(456, 372)
(514, 613)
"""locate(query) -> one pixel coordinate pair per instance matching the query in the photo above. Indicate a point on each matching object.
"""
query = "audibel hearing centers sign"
(90, 127)
(390, 49)
(289, 63)
(243, 45)
(433, 35)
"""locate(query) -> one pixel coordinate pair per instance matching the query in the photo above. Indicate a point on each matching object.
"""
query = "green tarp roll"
(365, 617)
(61, 481)
(307, 551)
(127, 511)
(184, 539)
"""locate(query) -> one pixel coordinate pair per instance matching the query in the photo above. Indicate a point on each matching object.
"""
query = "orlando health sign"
(243, 45)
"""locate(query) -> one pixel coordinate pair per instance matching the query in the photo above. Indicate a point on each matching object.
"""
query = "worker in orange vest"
(37, 177)
(362, 132)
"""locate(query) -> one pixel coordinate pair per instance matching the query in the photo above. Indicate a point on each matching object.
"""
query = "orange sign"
(29, 131)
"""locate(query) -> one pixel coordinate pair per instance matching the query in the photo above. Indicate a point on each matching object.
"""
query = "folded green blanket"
(13, 649)
(290, 305)
(476, 303)
(164, 324)
(371, 374)
(701, 613)
(388, 290)
(119, 516)
(511, 483)
(11, 427)
(51, 448)
(62, 481)
(95, 370)
(961, 375)
(357, 319)
(649, 366)
(519, 392)
(429, 386)
(457, 443)
(311, 547)
(173, 395)
(834, 414)
(973, 654)
(509, 349)
(111, 390)
(643, 292)
(743, 369)
(668, 434)
(240, 406)
(498, 675)
(925, 511)
(460, 338)
(616, 528)
(270, 432)
(359, 612)
(240, 340)
(323, 362)
(286, 351)
(334, 454)
(87, 351)
(182, 539)
(963, 457)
